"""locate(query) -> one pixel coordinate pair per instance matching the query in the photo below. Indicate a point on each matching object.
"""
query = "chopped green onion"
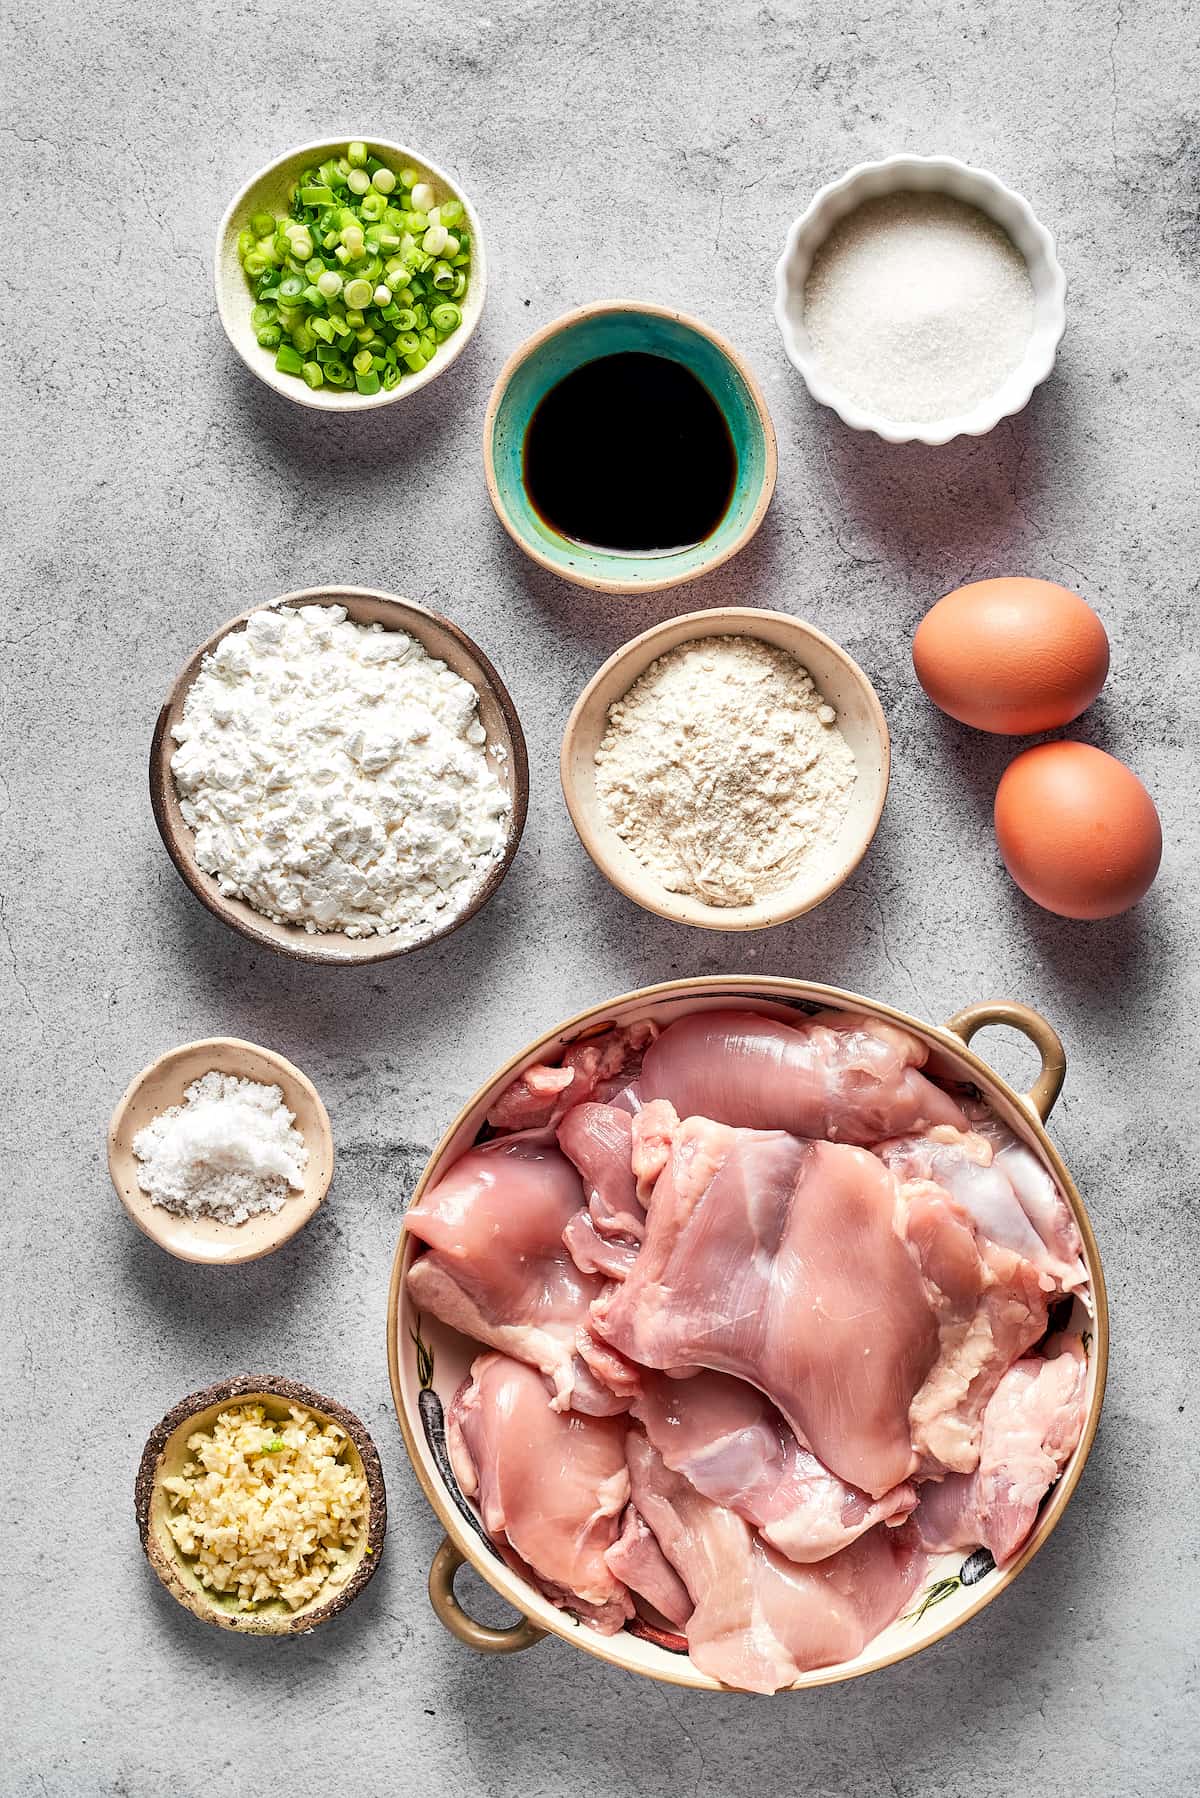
(367, 263)
(445, 318)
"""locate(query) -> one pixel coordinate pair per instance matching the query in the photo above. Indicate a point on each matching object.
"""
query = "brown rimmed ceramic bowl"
(505, 743)
(860, 719)
(443, 1358)
(583, 336)
(163, 1084)
(164, 1455)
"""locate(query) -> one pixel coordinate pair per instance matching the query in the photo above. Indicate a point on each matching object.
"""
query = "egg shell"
(1011, 656)
(1078, 831)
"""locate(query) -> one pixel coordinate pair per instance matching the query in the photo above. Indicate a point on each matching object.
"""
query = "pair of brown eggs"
(1077, 830)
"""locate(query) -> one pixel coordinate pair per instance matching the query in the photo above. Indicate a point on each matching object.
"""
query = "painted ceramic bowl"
(608, 330)
(428, 1362)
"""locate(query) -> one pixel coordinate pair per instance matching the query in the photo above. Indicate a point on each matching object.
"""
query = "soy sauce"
(631, 454)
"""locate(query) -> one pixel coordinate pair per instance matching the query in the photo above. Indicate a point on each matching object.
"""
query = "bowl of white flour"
(727, 769)
(340, 775)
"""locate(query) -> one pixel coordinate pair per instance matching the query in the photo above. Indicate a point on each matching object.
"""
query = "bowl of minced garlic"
(728, 768)
(261, 1505)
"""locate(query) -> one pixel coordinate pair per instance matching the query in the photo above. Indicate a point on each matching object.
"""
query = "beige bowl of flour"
(829, 862)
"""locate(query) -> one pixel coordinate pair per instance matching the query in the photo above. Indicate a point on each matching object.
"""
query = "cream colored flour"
(723, 770)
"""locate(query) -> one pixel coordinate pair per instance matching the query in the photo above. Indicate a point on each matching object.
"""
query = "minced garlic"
(268, 1510)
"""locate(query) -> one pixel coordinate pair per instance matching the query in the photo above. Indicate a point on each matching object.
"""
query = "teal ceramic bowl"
(607, 330)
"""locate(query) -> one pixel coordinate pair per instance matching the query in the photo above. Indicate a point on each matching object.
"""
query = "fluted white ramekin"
(977, 187)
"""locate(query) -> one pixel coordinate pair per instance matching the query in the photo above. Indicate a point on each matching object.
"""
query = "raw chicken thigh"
(759, 1619)
(838, 1076)
(1010, 1197)
(811, 1281)
(540, 1095)
(498, 1270)
(637, 1560)
(1030, 1428)
(550, 1484)
(732, 1445)
(776, 1260)
(605, 1237)
(990, 1307)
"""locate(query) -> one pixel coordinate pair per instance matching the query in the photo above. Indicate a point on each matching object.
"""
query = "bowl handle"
(446, 1563)
(1041, 1033)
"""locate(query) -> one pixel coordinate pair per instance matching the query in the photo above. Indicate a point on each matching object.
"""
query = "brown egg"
(1077, 830)
(1012, 656)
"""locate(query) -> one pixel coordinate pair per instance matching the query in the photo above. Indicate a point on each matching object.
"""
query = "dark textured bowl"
(166, 1451)
(440, 638)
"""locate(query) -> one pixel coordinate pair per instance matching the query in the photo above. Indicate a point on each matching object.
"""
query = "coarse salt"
(229, 1152)
(918, 307)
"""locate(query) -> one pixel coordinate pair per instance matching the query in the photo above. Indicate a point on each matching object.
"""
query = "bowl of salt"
(220, 1151)
(920, 299)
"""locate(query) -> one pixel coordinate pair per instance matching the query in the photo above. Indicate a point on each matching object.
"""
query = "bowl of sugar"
(920, 299)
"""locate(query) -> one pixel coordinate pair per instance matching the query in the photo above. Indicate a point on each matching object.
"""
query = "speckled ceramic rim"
(950, 1041)
(616, 677)
(975, 186)
(232, 290)
(673, 575)
(364, 605)
(163, 1556)
(205, 1241)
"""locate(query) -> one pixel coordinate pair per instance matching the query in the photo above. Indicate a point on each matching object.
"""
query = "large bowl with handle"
(428, 1362)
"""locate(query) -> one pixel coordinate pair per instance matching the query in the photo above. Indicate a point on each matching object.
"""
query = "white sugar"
(918, 307)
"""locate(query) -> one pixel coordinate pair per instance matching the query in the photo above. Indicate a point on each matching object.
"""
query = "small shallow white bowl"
(270, 191)
(977, 187)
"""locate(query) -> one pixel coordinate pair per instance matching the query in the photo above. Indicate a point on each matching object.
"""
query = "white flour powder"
(229, 1151)
(723, 769)
(918, 306)
(336, 776)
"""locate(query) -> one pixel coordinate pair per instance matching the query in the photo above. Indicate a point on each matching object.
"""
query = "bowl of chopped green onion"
(349, 273)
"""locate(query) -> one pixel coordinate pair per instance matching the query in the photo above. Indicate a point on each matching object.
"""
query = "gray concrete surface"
(154, 489)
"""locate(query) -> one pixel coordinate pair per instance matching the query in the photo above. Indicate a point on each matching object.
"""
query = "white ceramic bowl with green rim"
(974, 187)
(585, 336)
(270, 190)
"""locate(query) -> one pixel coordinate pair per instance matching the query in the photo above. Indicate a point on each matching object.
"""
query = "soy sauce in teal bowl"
(651, 452)
(630, 453)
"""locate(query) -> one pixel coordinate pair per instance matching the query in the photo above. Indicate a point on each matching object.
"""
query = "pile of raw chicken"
(768, 1314)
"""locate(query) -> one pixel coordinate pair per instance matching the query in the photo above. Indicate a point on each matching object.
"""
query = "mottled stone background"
(154, 488)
